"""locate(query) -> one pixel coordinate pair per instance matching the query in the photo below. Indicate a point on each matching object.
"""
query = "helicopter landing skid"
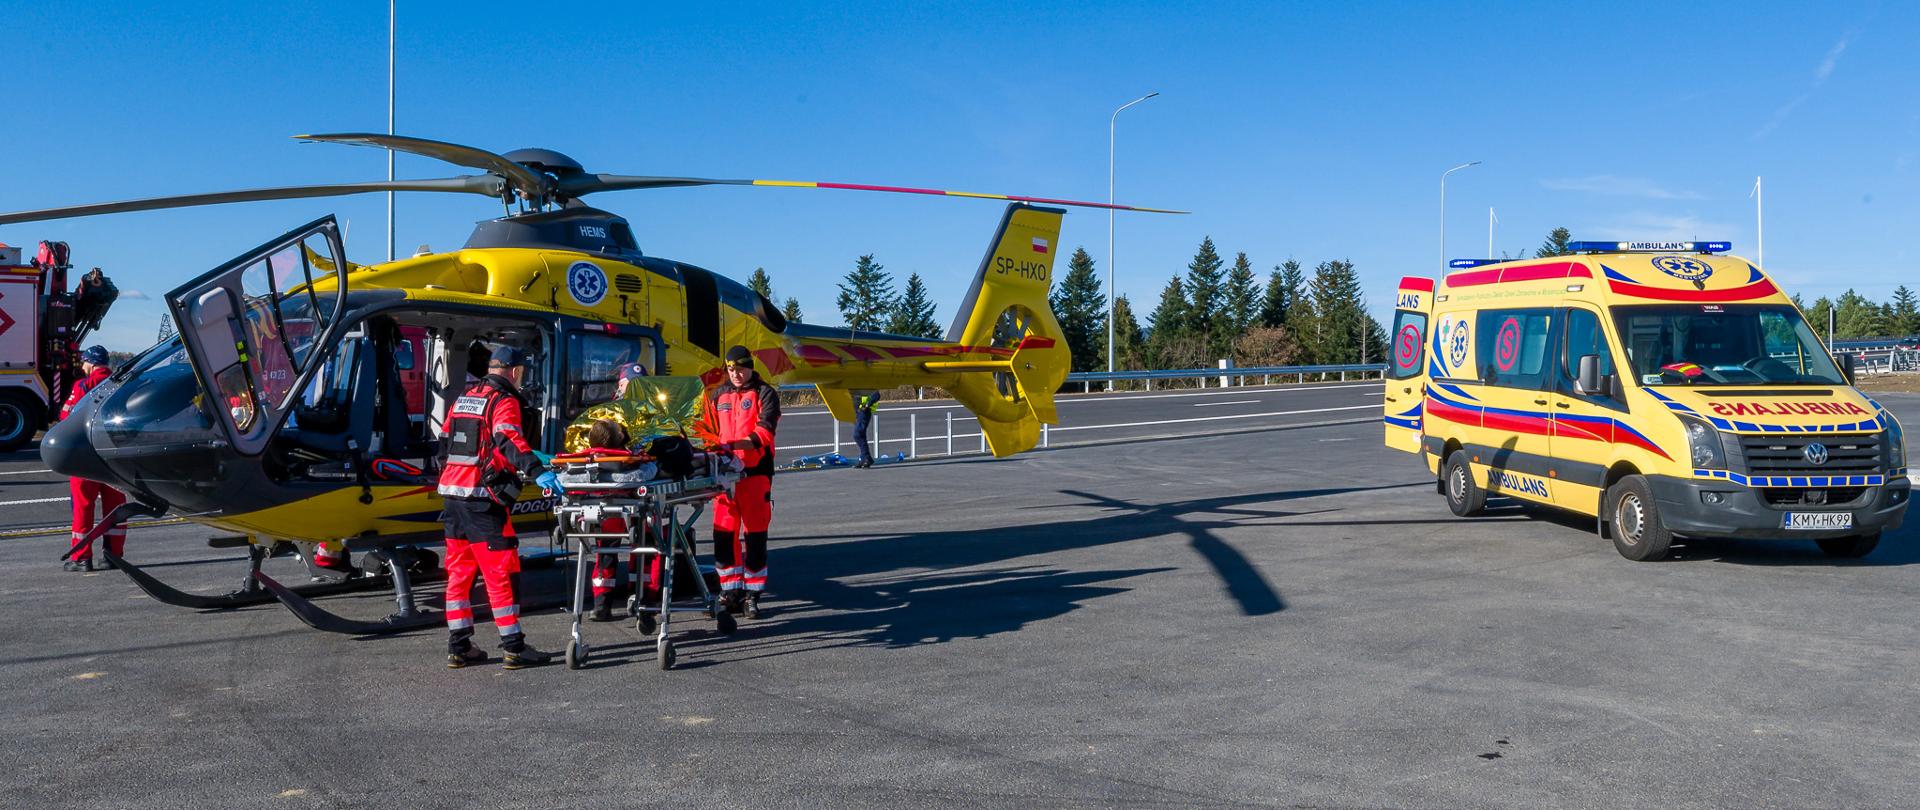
(250, 593)
(407, 618)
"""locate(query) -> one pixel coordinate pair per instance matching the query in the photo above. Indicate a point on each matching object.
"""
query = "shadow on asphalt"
(1900, 547)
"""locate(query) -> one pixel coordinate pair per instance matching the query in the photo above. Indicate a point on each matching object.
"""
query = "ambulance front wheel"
(1638, 532)
(1464, 497)
(1850, 548)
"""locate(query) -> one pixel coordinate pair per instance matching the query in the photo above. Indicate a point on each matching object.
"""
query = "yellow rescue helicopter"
(301, 399)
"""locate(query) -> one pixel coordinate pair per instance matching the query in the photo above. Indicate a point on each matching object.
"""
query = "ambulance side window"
(1513, 347)
(1584, 336)
(1409, 343)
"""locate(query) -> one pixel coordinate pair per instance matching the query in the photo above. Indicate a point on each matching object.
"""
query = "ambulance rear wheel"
(1850, 548)
(20, 416)
(1638, 532)
(1464, 497)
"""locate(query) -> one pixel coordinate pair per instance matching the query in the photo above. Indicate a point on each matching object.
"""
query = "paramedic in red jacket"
(86, 494)
(485, 454)
(743, 412)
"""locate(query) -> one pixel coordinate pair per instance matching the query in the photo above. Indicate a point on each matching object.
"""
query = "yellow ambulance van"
(1662, 387)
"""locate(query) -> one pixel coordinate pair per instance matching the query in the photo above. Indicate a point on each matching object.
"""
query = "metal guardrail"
(1266, 373)
(1229, 371)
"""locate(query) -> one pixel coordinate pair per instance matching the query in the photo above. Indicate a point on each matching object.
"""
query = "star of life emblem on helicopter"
(587, 283)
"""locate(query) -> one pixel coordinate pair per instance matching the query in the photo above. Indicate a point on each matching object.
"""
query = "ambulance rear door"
(1406, 376)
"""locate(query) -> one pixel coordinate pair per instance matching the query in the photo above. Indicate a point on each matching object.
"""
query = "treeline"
(1213, 311)
(868, 302)
(1855, 316)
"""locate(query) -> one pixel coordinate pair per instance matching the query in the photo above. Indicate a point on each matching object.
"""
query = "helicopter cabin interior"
(384, 390)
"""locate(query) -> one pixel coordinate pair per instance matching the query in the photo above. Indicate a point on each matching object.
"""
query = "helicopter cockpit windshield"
(251, 326)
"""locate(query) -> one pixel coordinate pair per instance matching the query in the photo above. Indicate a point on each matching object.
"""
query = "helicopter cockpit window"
(593, 367)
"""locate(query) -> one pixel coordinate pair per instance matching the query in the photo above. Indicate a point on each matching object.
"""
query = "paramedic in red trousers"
(485, 454)
(88, 494)
(744, 411)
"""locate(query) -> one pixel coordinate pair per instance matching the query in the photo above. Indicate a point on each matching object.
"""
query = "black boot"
(520, 654)
(753, 605)
(602, 612)
(466, 657)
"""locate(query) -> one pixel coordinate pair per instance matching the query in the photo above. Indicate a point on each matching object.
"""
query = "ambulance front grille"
(1847, 454)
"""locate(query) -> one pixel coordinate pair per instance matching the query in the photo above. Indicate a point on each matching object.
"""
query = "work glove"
(546, 459)
(550, 481)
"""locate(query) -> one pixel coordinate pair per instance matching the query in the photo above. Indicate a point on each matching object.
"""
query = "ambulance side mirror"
(1846, 367)
(1590, 382)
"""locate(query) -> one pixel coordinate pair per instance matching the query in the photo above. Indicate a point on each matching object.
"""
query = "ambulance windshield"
(1723, 344)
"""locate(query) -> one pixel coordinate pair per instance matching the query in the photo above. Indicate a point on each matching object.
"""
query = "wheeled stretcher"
(657, 513)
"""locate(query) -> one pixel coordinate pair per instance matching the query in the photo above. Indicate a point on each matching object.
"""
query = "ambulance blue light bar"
(1650, 247)
(1461, 264)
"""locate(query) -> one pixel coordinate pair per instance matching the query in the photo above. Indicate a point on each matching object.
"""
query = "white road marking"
(34, 500)
(1234, 402)
(24, 472)
(1216, 418)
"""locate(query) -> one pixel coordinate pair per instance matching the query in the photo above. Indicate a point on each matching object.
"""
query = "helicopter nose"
(67, 451)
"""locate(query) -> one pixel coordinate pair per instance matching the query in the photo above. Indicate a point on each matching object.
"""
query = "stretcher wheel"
(665, 654)
(575, 655)
(725, 621)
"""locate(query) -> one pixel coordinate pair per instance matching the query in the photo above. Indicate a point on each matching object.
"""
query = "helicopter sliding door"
(252, 327)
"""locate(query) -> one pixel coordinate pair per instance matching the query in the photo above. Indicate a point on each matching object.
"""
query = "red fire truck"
(42, 324)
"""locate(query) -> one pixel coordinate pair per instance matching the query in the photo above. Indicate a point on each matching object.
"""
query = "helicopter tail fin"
(1007, 316)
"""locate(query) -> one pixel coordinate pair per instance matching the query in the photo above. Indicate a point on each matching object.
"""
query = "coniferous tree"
(1857, 317)
(792, 310)
(866, 298)
(1284, 287)
(1170, 322)
(1205, 293)
(1082, 312)
(1904, 321)
(1129, 342)
(1342, 330)
(913, 313)
(761, 283)
(1558, 244)
(1817, 317)
(1242, 308)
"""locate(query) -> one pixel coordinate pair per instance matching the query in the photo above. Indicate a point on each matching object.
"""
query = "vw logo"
(1816, 454)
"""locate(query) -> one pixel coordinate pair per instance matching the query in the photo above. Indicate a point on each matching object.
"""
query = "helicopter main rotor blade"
(531, 184)
(472, 184)
(587, 184)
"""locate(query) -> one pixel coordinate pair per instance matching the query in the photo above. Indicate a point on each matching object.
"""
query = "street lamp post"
(1443, 212)
(1112, 293)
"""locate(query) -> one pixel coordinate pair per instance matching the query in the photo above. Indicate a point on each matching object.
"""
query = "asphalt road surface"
(1286, 615)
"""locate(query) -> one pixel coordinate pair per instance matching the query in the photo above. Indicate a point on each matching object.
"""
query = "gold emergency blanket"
(652, 406)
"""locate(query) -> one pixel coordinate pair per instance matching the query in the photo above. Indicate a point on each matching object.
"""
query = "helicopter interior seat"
(331, 421)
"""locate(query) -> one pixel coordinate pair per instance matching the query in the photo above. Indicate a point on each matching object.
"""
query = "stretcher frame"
(655, 530)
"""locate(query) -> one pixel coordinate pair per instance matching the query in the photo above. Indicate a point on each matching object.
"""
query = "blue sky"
(1304, 130)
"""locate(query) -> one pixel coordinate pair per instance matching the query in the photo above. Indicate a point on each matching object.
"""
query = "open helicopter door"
(252, 327)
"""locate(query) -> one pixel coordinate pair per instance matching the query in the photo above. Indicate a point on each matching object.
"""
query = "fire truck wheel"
(1850, 548)
(20, 416)
(1638, 532)
(1464, 497)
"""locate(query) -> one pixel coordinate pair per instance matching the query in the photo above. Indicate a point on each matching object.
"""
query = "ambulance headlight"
(1703, 443)
(1896, 445)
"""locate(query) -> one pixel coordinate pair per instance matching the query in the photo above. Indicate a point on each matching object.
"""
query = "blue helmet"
(96, 355)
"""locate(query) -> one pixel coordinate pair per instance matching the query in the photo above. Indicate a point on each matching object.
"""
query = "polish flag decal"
(1039, 245)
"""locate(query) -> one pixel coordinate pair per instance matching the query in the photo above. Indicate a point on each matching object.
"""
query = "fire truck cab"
(1661, 387)
(41, 326)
